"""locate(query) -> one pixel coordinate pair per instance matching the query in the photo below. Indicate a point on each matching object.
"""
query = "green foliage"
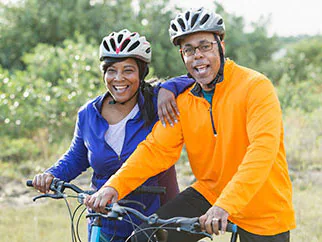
(28, 23)
(303, 61)
(303, 95)
(58, 80)
(156, 15)
(300, 75)
(18, 150)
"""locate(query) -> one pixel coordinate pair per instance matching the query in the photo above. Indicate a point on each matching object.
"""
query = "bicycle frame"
(96, 230)
(118, 212)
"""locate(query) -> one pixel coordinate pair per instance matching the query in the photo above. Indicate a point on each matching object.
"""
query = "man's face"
(204, 64)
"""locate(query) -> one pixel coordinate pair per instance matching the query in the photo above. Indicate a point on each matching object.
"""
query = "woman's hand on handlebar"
(99, 200)
(42, 182)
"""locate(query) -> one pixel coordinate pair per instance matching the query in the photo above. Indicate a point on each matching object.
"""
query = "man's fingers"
(89, 200)
(175, 107)
(202, 220)
(160, 114)
(166, 115)
(103, 205)
(215, 225)
(172, 112)
(210, 226)
(224, 223)
(114, 199)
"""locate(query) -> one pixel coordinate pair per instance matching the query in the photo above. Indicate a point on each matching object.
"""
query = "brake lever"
(196, 229)
(53, 196)
(191, 227)
(205, 234)
(125, 201)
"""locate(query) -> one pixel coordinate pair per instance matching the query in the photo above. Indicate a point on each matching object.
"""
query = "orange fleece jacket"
(242, 169)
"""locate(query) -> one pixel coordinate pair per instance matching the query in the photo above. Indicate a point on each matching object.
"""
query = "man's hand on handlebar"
(99, 200)
(213, 220)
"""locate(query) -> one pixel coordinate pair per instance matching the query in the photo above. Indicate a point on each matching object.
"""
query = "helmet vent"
(136, 44)
(113, 44)
(187, 15)
(182, 25)
(204, 19)
(119, 38)
(125, 43)
(148, 50)
(220, 22)
(194, 19)
(174, 27)
(133, 34)
(106, 46)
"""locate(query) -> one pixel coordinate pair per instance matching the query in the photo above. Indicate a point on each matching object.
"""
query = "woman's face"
(122, 79)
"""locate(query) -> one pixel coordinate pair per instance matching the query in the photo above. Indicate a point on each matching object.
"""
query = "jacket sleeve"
(74, 161)
(264, 127)
(178, 84)
(157, 153)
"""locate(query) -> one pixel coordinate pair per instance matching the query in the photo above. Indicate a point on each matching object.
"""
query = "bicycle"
(118, 211)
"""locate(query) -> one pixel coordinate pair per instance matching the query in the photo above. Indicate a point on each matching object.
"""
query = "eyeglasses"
(204, 47)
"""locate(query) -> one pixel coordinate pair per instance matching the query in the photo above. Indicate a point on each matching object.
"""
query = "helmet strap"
(220, 74)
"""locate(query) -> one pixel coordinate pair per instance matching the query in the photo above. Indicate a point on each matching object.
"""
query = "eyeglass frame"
(198, 47)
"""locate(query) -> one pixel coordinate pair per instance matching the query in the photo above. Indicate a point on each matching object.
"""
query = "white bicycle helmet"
(191, 21)
(125, 44)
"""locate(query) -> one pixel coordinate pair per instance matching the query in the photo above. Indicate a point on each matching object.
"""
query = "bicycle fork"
(96, 229)
(233, 237)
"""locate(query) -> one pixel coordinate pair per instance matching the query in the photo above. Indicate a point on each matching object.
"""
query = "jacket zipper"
(212, 121)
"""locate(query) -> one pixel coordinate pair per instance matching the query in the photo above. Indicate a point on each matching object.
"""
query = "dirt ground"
(16, 193)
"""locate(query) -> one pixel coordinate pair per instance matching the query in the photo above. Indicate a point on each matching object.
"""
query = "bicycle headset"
(201, 20)
(118, 46)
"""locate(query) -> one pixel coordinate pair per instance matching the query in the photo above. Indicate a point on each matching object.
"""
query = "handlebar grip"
(150, 189)
(29, 183)
(231, 228)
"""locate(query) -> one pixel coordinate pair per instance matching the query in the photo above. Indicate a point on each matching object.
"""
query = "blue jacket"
(89, 149)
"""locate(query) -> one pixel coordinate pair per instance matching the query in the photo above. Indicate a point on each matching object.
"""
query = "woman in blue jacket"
(109, 127)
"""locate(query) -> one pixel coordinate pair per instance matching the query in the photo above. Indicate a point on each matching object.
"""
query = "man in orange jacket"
(231, 124)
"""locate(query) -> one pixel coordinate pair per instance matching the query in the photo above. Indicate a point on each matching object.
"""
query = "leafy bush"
(58, 80)
(18, 150)
(305, 95)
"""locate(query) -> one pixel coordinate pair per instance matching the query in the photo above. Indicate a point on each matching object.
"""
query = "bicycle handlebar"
(192, 225)
(58, 186)
(118, 212)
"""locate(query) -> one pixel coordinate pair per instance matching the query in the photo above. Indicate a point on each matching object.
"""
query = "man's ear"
(223, 46)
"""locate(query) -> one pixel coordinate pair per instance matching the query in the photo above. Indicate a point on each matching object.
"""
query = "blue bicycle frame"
(96, 230)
